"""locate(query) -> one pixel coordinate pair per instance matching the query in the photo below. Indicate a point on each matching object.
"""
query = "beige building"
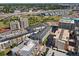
(14, 25)
(61, 39)
(11, 40)
(23, 22)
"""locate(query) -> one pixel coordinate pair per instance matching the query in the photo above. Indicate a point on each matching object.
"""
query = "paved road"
(3, 16)
(39, 12)
(49, 52)
(56, 53)
(13, 34)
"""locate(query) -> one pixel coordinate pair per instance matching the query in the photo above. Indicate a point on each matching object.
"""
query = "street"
(56, 53)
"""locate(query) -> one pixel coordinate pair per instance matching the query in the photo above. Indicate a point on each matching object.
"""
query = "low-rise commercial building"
(11, 37)
(26, 48)
(59, 12)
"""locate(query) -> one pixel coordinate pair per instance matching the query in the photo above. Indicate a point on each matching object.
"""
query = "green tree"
(2, 53)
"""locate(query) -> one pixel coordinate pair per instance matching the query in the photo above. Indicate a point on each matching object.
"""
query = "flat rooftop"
(70, 18)
(77, 30)
(11, 34)
(25, 46)
(62, 34)
(0, 37)
(53, 23)
(65, 35)
(41, 33)
(28, 47)
(78, 39)
(75, 18)
(67, 20)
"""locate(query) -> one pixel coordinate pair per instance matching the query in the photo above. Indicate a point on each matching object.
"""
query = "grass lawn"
(2, 25)
(13, 45)
(3, 53)
(42, 19)
(7, 50)
(5, 23)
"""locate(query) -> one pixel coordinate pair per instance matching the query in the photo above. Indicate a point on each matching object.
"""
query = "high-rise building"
(14, 25)
(23, 22)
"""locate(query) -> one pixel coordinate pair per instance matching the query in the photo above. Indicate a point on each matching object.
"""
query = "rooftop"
(53, 23)
(0, 37)
(41, 33)
(78, 38)
(28, 47)
(65, 35)
(62, 34)
(70, 19)
(11, 34)
(77, 30)
(67, 20)
(25, 46)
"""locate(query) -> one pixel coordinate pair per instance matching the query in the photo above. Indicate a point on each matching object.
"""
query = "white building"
(23, 22)
(17, 11)
(13, 37)
(14, 25)
(25, 49)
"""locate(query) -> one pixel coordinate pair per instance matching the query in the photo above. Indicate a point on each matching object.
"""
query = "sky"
(39, 1)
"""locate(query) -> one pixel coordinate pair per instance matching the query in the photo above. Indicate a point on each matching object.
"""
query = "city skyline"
(39, 29)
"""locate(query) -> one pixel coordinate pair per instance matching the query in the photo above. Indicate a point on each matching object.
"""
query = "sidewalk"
(56, 53)
(49, 52)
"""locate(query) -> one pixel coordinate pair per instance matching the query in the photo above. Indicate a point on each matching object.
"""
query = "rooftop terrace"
(62, 34)
(69, 20)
